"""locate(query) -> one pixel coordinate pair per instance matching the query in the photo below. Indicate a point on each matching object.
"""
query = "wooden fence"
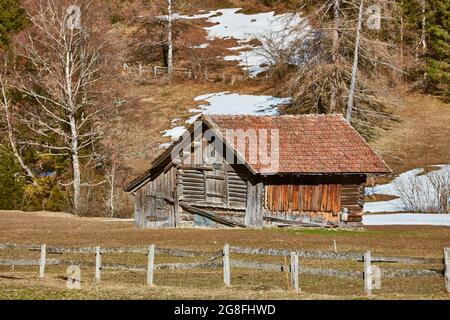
(156, 71)
(369, 274)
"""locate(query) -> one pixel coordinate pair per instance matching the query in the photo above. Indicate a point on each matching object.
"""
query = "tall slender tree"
(62, 83)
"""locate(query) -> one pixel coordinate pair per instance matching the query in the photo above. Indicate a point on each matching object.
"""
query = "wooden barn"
(255, 171)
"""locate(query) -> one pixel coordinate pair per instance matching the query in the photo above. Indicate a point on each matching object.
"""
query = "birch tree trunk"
(351, 92)
(423, 40)
(335, 49)
(401, 34)
(65, 115)
(75, 166)
(12, 142)
(169, 38)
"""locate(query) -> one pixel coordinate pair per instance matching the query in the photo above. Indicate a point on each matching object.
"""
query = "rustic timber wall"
(316, 199)
(154, 202)
(352, 196)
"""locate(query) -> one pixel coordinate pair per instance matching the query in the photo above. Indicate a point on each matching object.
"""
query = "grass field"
(59, 229)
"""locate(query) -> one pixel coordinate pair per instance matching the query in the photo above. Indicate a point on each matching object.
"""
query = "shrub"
(11, 181)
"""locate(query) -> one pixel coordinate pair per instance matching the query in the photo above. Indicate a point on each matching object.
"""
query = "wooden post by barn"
(42, 261)
(367, 273)
(150, 264)
(98, 264)
(226, 265)
(294, 272)
(447, 269)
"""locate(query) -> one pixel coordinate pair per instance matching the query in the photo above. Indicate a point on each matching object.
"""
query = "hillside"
(419, 137)
(263, 57)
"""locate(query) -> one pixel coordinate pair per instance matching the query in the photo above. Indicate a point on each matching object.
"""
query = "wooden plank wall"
(220, 187)
(296, 197)
(314, 198)
(151, 210)
(352, 197)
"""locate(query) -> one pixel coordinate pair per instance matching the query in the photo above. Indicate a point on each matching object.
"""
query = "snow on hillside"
(413, 180)
(407, 219)
(228, 104)
(246, 27)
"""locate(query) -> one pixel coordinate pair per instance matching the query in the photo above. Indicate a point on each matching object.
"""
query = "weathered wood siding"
(314, 198)
(352, 196)
(153, 201)
(297, 197)
(218, 185)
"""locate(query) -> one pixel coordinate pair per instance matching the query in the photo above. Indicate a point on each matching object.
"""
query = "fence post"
(226, 265)
(190, 74)
(447, 269)
(294, 272)
(206, 75)
(98, 264)
(334, 246)
(140, 70)
(367, 273)
(150, 264)
(42, 261)
(155, 71)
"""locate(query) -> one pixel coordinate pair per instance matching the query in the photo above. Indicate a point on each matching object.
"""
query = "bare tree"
(169, 38)
(64, 53)
(336, 47)
(5, 103)
(351, 91)
(428, 192)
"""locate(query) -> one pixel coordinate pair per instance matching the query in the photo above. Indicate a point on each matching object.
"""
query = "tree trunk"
(169, 38)
(355, 65)
(75, 166)
(335, 49)
(423, 40)
(401, 35)
(11, 139)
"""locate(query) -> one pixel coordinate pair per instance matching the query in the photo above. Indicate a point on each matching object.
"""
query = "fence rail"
(369, 274)
(230, 78)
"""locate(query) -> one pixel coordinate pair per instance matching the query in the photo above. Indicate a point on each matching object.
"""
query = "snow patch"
(407, 219)
(227, 103)
(237, 104)
(246, 27)
(421, 182)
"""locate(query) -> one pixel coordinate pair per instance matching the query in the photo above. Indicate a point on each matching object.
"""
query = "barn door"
(215, 183)
(160, 213)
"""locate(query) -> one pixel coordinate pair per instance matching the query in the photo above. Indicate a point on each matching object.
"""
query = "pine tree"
(11, 182)
(438, 55)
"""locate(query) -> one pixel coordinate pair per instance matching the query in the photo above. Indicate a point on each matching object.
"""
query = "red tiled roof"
(310, 144)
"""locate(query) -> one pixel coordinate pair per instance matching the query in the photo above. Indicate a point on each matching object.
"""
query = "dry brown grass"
(60, 230)
(139, 126)
(421, 138)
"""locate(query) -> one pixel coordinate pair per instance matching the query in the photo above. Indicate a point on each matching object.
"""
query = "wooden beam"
(42, 261)
(226, 265)
(367, 273)
(150, 264)
(294, 272)
(98, 264)
(447, 269)
(210, 215)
